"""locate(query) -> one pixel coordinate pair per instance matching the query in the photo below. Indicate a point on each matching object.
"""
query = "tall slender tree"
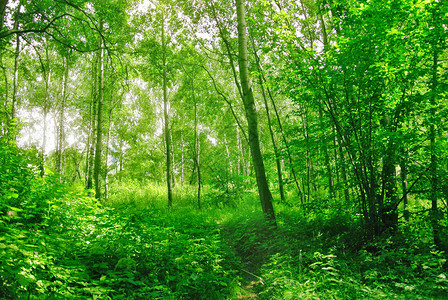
(166, 114)
(251, 116)
(60, 127)
(99, 124)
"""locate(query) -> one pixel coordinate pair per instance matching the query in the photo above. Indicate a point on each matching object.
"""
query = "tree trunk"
(251, 116)
(4, 121)
(196, 143)
(3, 4)
(274, 145)
(344, 172)
(228, 160)
(285, 141)
(198, 174)
(404, 186)
(90, 153)
(166, 118)
(173, 165)
(239, 165)
(388, 212)
(120, 170)
(16, 78)
(99, 127)
(326, 156)
(308, 162)
(271, 131)
(432, 137)
(106, 165)
(181, 158)
(76, 173)
(60, 128)
(45, 112)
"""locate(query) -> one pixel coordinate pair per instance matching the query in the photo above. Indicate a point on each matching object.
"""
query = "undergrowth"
(84, 250)
(58, 243)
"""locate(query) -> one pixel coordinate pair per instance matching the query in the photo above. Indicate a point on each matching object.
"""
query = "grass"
(321, 254)
(135, 247)
(318, 255)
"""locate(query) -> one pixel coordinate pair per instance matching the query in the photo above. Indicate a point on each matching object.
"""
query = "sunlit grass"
(141, 195)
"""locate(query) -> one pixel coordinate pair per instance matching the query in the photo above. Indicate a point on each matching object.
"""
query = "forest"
(210, 149)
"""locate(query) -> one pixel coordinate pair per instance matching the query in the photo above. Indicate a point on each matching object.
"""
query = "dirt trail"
(249, 268)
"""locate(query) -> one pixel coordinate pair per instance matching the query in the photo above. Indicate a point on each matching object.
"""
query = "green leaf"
(25, 279)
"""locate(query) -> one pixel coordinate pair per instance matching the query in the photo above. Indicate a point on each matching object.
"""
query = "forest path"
(244, 239)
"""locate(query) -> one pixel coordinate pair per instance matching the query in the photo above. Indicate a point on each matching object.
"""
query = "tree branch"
(33, 30)
(228, 102)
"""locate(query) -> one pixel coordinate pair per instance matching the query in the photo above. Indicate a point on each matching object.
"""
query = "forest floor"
(135, 249)
(318, 255)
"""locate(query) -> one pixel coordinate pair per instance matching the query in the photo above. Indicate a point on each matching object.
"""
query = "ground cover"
(56, 242)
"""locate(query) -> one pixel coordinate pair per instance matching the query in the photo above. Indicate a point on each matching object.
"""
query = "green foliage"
(57, 242)
(317, 262)
(145, 194)
(324, 255)
(360, 87)
(368, 99)
(73, 247)
(139, 194)
(229, 190)
(22, 193)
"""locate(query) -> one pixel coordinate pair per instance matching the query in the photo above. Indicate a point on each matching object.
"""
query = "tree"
(251, 116)
(60, 139)
(166, 116)
(3, 4)
(99, 123)
(271, 131)
(367, 80)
